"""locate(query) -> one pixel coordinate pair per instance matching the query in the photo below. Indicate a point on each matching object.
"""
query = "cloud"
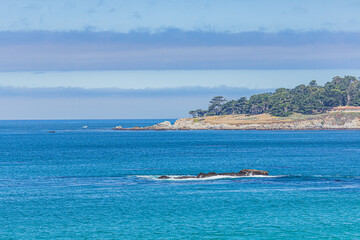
(62, 92)
(172, 37)
(175, 49)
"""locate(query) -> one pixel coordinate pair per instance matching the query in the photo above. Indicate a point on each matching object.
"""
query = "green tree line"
(305, 99)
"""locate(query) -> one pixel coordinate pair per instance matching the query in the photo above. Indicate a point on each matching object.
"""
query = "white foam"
(176, 177)
(294, 189)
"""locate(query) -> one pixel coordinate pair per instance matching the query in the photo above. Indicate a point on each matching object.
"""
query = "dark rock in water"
(184, 177)
(201, 175)
(204, 175)
(164, 177)
(252, 172)
(244, 172)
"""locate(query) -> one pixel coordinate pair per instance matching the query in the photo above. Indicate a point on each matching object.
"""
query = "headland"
(330, 120)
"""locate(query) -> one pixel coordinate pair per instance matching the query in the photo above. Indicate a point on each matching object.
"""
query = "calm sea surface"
(96, 183)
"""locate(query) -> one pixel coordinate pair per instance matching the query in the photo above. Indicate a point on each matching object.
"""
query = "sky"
(70, 59)
(153, 15)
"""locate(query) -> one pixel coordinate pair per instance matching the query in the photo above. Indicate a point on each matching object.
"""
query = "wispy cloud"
(176, 37)
(62, 92)
(175, 49)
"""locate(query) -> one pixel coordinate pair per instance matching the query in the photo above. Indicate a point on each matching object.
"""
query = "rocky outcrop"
(253, 172)
(164, 177)
(316, 122)
(242, 173)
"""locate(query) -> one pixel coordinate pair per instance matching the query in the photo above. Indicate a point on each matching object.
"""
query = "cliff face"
(315, 122)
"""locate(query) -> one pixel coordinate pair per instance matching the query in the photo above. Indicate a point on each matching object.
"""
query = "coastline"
(326, 121)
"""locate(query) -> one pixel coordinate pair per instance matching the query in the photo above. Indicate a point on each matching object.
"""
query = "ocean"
(96, 183)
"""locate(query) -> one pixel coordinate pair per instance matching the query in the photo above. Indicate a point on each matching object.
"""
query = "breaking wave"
(177, 177)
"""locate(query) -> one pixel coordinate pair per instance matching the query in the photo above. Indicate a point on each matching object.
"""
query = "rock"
(204, 175)
(163, 177)
(184, 177)
(200, 175)
(244, 172)
(165, 124)
(252, 172)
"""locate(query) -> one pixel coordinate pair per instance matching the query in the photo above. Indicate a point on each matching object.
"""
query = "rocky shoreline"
(329, 121)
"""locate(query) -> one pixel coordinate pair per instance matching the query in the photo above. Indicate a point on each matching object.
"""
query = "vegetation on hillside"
(304, 99)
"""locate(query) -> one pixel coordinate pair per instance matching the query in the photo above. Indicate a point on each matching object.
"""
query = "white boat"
(85, 126)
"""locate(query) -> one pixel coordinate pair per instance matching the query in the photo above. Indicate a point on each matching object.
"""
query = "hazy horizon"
(137, 94)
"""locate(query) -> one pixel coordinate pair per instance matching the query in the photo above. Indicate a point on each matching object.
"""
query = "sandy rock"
(164, 124)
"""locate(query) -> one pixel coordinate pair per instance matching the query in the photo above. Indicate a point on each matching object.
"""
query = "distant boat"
(85, 126)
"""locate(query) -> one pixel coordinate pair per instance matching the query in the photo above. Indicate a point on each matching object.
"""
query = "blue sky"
(163, 58)
(189, 15)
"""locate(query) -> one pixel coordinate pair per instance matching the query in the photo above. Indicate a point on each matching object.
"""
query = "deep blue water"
(96, 183)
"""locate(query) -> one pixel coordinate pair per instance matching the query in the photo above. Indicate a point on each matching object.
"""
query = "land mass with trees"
(308, 99)
(305, 107)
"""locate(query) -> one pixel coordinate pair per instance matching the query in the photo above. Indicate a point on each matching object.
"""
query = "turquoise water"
(96, 183)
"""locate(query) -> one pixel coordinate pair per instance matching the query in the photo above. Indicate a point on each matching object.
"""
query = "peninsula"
(336, 105)
(330, 120)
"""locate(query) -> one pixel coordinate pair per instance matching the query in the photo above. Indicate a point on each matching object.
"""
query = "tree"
(215, 105)
(281, 103)
(352, 91)
(193, 113)
(230, 107)
(200, 113)
(305, 99)
(313, 83)
(258, 103)
(242, 105)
